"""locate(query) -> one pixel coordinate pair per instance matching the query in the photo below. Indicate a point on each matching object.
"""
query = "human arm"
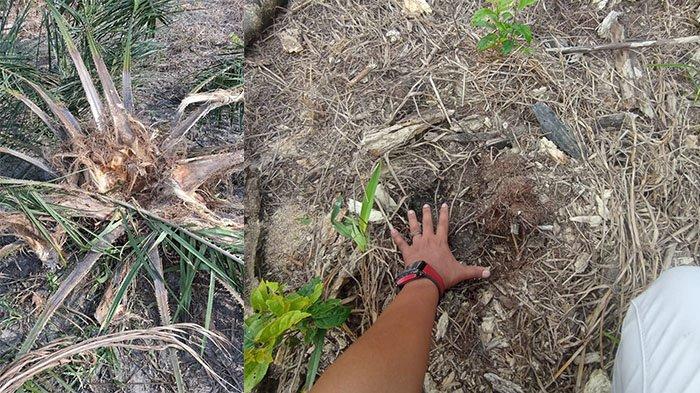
(392, 356)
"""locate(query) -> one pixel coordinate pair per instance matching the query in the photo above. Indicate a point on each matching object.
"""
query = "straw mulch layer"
(570, 242)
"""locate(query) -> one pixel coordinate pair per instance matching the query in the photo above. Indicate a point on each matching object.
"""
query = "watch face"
(419, 265)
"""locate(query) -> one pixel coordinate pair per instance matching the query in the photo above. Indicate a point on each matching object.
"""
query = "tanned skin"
(392, 356)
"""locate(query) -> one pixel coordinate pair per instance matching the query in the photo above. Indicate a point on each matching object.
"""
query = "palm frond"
(15, 63)
(21, 166)
(124, 29)
(93, 97)
(164, 308)
(82, 268)
(147, 238)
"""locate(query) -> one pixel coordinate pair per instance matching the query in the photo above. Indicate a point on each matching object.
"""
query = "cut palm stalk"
(67, 119)
(82, 206)
(96, 106)
(114, 102)
(190, 174)
(48, 173)
(127, 88)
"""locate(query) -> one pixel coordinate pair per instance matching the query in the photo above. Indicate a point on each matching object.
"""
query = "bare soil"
(569, 242)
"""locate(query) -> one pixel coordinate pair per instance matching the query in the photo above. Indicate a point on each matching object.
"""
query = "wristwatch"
(418, 270)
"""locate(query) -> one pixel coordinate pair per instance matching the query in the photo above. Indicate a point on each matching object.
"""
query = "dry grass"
(559, 292)
(182, 337)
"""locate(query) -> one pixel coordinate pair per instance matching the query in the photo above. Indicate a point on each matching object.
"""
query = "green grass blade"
(315, 359)
(137, 245)
(210, 307)
(368, 200)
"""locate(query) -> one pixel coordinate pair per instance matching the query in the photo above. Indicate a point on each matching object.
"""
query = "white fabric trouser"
(660, 347)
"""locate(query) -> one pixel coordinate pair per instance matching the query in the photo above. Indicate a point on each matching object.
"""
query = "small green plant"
(52, 281)
(355, 228)
(278, 316)
(501, 20)
(614, 338)
(9, 315)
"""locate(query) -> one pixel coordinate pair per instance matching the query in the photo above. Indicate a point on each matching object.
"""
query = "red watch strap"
(426, 271)
(435, 277)
(406, 279)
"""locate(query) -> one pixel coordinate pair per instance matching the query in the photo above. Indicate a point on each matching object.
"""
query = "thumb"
(472, 272)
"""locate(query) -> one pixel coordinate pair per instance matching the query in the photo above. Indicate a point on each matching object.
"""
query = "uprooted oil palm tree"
(115, 24)
(116, 188)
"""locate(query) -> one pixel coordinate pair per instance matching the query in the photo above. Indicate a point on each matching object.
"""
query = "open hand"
(431, 246)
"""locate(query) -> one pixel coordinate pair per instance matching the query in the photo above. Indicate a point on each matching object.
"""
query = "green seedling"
(280, 316)
(355, 228)
(614, 339)
(505, 32)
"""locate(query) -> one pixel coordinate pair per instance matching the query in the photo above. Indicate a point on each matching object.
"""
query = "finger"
(427, 220)
(399, 240)
(413, 224)
(473, 272)
(443, 222)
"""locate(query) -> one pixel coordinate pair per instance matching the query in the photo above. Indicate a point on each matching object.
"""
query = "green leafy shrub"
(355, 228)
(501, 22)
(278, 316)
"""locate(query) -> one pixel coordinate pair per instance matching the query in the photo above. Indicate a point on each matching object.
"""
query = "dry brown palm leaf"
(9, 249)
(45, 246)
(79, 272)
(211, 101)
(177, 337)
(218, 97)
(102, 312)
